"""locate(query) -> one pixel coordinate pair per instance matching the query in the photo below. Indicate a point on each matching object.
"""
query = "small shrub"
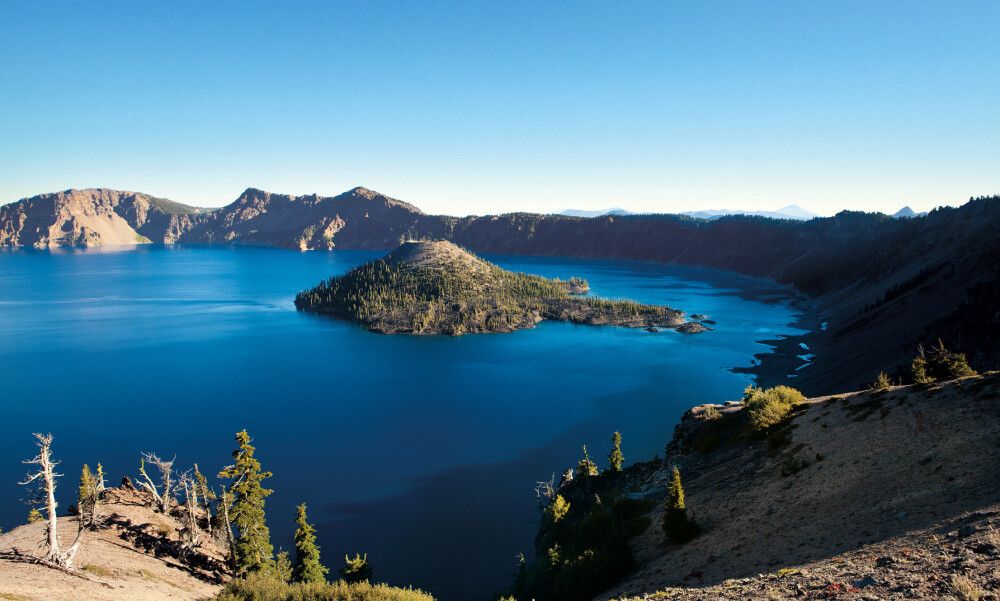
(882, 382)
(769, 407)
(262, 587)
(586, 467)
(939, 363)
(356, 569)
(97, 570)
(965, 588)
(711, 413)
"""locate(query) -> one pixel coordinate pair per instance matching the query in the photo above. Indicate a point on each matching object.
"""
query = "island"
(436, 287)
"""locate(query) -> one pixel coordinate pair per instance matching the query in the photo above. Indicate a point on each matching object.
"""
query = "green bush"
(356, 569)
(882, 382)
(768, 407)
(260, 587)
(938, 363)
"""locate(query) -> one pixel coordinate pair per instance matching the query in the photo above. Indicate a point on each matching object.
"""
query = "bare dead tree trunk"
(230, 539)
(161, 498)
(46, 475)
(190, 507)
(204, 492)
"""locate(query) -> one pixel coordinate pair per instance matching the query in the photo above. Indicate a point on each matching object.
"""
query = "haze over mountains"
(881, 285)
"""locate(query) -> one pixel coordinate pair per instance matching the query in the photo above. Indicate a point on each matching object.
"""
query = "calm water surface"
(421, 451)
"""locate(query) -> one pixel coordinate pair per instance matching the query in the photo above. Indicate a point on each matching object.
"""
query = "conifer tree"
(206, 494)
(87, 497)
(615, 457)
(676, 524)
(252, 551)
(99, 478)
(307, 567)
(283, 566)
(919, 367)
(557, 509)
(34, 515)
(586, 467)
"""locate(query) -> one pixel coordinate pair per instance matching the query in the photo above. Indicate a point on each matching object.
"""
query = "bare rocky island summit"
(436, 287)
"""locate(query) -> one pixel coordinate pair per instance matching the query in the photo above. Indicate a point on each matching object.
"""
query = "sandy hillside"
(134, 556)
(889, 495)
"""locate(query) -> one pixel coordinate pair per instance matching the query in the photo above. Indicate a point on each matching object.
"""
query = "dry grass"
(97, 570)
(965, 588)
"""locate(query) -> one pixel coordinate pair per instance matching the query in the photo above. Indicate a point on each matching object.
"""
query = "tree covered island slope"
(436, 287)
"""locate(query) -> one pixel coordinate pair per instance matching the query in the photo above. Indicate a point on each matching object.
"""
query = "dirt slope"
(875, 495)
(131, 557)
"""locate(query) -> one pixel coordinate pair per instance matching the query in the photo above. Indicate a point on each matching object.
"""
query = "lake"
(421, 451)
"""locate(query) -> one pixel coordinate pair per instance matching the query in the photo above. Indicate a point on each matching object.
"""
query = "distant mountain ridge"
(880, 284)
(789, 212)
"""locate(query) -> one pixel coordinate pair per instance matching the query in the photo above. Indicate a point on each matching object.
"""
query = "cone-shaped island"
(438, 288)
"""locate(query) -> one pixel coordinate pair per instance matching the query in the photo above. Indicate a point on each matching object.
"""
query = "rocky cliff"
(95, 217)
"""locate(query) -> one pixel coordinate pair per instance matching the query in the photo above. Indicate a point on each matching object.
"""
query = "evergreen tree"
(586, 467)
(34, 515)
(356, 569)
(557, 509)
(86, 496)
(99, 478)
(919, 369)
(307, 566)
(615, 457)
(676, 524)
(252, 551)
(283, 566)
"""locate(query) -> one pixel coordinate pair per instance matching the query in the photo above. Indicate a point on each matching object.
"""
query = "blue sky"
(484, 107)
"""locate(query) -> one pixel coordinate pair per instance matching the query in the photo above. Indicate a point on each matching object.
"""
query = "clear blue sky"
(482, 107)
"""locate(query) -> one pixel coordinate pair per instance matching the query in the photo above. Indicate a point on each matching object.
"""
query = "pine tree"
(586, 467)
(99, 478)
(252, 551)
(919, 369)
(615, 457)
(34, 515)
(283, 566)
(356, 569)
(676, 523)
(86, 497)
(557, 509)
(307, 567)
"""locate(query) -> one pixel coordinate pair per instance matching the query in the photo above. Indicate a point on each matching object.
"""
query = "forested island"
(436, 287)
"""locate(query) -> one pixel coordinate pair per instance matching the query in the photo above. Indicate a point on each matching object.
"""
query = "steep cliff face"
(94, 217)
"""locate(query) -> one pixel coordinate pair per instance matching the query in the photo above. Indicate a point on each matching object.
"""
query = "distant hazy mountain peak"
(594, 213)
(907, 213)
(794, 210)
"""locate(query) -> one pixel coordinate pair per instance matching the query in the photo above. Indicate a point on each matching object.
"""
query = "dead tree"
(230, 539)
(161, 498)
(190, 508)
(206, 495)
(46, 479)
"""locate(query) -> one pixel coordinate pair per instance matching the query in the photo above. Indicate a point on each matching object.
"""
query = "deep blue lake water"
(421, 451)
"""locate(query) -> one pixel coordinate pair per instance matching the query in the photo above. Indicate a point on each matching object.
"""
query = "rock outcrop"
(94, 217)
